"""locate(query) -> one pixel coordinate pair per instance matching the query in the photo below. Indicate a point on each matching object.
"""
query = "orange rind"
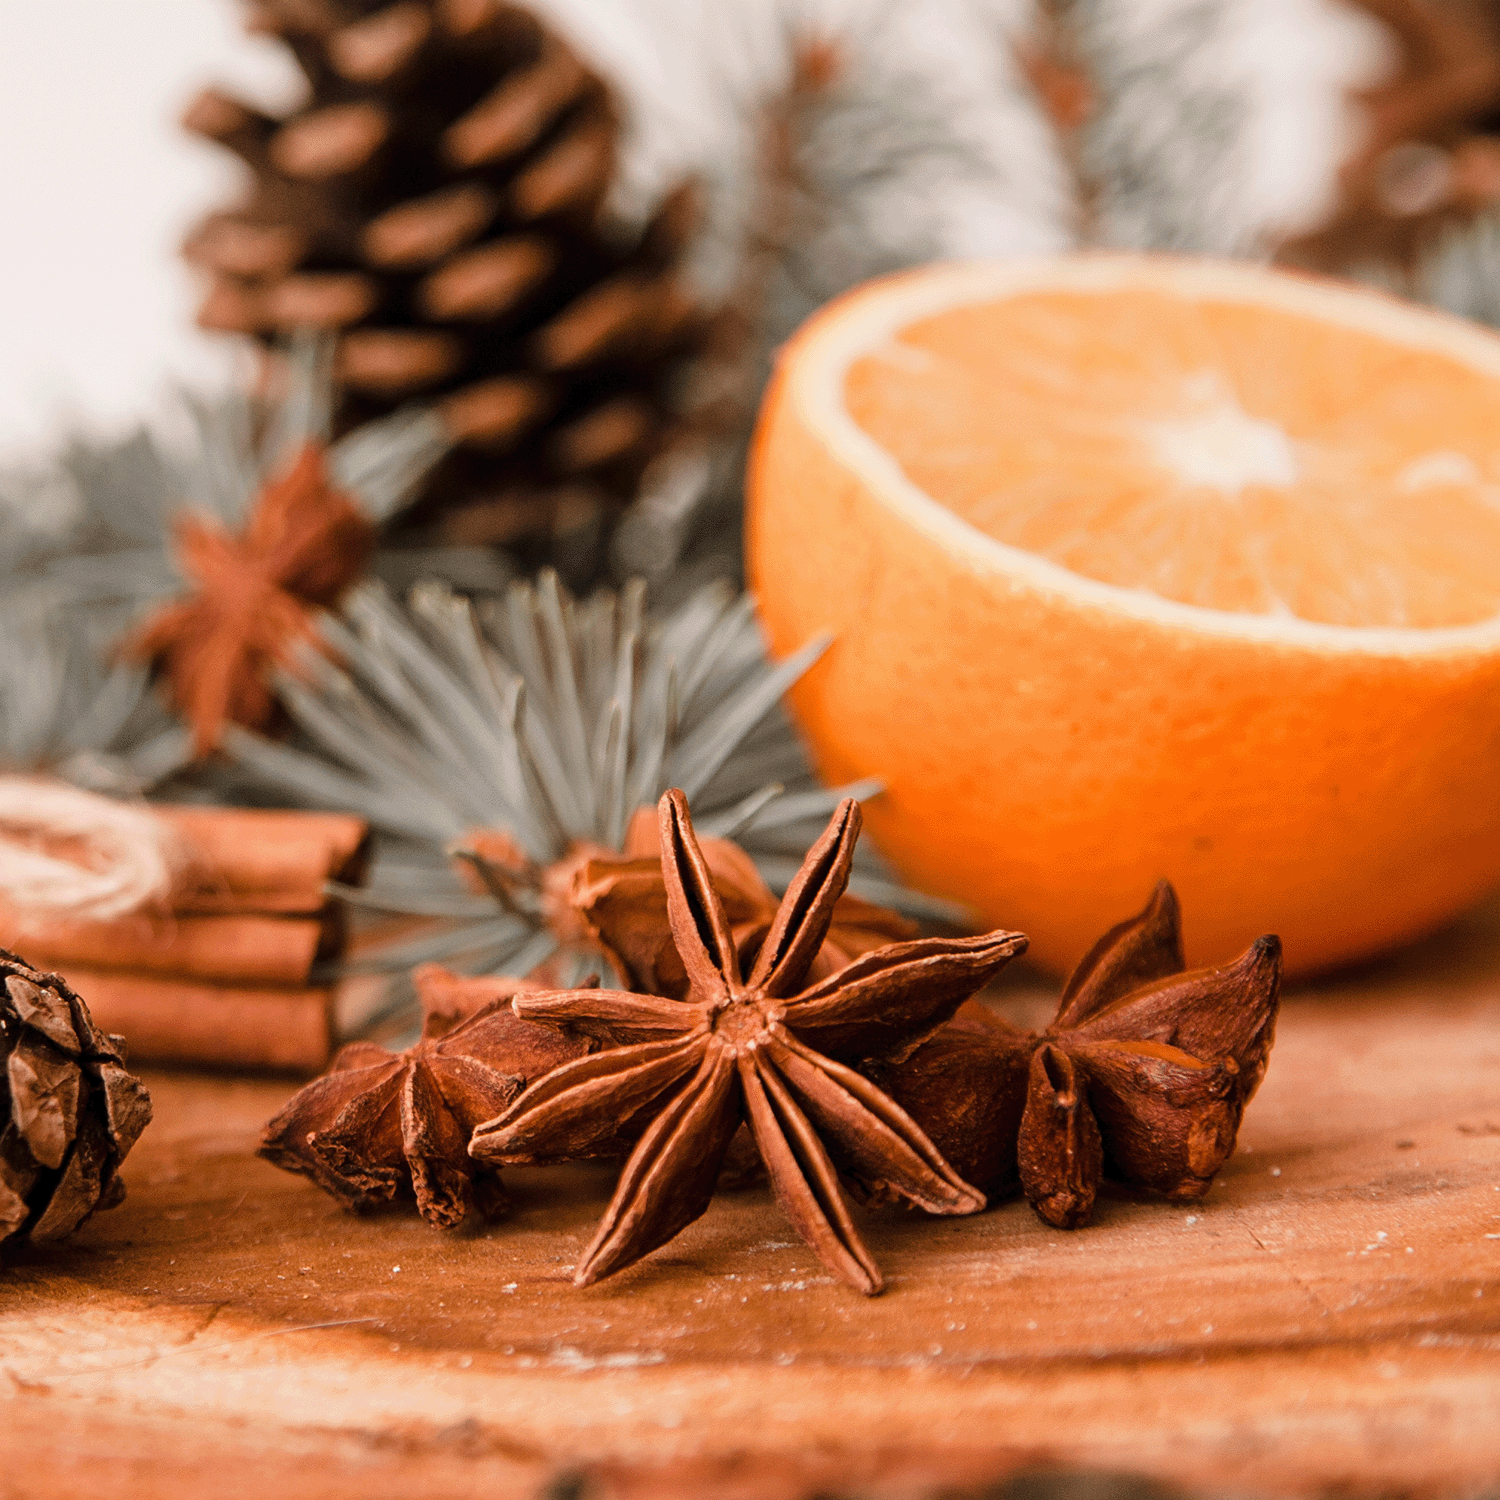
(1147, 568)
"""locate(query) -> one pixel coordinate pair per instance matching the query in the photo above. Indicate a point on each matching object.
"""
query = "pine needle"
(548, 720)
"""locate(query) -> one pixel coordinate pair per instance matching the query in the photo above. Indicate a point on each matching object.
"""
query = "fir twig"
(536, 725)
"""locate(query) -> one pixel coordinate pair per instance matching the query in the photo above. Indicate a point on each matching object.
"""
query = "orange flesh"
(1224, 454)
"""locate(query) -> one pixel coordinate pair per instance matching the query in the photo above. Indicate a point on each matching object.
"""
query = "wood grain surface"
(1326, 1320)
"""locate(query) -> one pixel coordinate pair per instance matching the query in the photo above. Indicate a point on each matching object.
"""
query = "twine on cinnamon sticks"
(66, 853)
(254, 598)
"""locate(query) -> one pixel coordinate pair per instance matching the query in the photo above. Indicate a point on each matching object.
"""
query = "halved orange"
(1146, 567)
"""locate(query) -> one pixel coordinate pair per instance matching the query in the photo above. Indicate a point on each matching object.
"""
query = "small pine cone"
(438, 202)
(69, 1111)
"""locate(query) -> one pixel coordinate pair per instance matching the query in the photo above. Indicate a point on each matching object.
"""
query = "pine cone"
(439, 200)
(69, 1109)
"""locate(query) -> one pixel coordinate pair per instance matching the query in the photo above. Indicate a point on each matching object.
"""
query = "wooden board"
(1327, 1319)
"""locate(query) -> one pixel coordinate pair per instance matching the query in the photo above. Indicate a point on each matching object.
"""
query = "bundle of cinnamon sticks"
(227, 976)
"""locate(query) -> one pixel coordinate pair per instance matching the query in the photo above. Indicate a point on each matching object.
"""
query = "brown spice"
(257, 859)
(448, 999)
(1143, 1076)
(763, 1046)
(593, 898)
(381, 1123)
(226, 975)
(195, 1023)
(493, 863)
(254, 598)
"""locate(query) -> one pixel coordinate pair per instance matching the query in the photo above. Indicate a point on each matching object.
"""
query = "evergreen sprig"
(549, 720)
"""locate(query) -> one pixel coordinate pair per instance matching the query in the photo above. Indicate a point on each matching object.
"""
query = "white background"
(97, 185)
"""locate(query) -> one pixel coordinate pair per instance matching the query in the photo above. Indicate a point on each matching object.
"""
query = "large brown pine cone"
(439, 198)
(69, 1111)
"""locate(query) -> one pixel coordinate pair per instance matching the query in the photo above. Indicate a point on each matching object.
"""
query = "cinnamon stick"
(265, 860)
(206, 1025)
(238, 949)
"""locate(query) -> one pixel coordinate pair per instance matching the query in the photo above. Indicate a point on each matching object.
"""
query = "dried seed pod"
(380, 1124)
(69, 1110)
(622, 900)
(751, 1042)
(1143, 1076)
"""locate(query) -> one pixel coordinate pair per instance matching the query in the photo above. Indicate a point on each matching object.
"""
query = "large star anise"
(1143, 1076)
(749, 1042)
(378, 1122)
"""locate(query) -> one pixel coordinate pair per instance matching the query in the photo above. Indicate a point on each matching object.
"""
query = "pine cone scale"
(517, 113)
(608, 320)
(330, 142)
(231, 122)
(43, 1099)
(327, 300)
(607, 434)
(311, 18)
(397, 362)
(127, 1105)
(495, 413)
(485, 283)
(572, 175)
(376, 49)
(77, 1193)
(44, 1011)
(237, 246)
(13, 1210)
(421, 233)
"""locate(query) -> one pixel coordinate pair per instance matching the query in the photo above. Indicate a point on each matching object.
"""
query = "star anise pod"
(1143, 1076)
(253, 598)
(621, 902)
(751, 1040)
(448, 999)
(379, 1123)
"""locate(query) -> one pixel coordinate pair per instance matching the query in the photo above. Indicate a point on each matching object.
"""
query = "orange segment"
(1142, 567)
(1240, 458)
